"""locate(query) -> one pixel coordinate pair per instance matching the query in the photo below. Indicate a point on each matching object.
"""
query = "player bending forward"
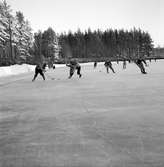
(139, 63)
(108, 65)
(39, 70)
(74, 65)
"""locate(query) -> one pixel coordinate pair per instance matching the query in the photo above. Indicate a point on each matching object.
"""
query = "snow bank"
(25, 68)
(16, 69)
(19, 69)
(59, 65)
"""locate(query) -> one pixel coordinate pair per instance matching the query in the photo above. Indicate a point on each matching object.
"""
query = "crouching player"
(39, 70)
(139, 62)
(74, 65)
(108, 65)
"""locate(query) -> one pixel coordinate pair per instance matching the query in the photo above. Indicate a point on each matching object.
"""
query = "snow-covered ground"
(19, 69)
(16, 69)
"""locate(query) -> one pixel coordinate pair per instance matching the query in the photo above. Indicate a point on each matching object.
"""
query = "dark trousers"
(72, 70)
(141, 66)
(78, 70)
(107, 69)
(124, 64)
(38, 71)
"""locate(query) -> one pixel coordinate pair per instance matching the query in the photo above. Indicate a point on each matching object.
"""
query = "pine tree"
(50, 45)
(23, 36)
(6, 32)
(37, 47)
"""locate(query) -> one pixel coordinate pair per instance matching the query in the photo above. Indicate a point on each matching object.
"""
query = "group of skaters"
(139, 62)
(75, 66)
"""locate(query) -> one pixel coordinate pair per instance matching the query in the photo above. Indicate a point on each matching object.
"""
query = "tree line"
(113, 44)
(15, 36)
(45, 46)
(17, 42)
(19, 45)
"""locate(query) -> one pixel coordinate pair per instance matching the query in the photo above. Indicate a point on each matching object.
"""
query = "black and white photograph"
(81, 83)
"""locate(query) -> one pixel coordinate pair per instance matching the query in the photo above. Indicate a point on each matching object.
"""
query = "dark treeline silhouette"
(113, 44)
(159, 52)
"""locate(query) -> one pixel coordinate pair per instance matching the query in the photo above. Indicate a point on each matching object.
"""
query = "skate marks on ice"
(100, 120)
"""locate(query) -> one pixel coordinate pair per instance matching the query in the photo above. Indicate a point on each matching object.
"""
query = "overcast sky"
(64, 15)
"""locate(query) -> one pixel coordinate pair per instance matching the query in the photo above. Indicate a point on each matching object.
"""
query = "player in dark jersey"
(108, 65)
(39, 70)
(124, 64)
(95, 64)
(74, 65)
(139, 63)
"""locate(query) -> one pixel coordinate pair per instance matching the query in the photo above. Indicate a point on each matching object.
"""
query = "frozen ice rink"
(99, 120)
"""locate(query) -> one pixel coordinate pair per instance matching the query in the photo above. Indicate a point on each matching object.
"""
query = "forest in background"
(18, 44)
(113, 44)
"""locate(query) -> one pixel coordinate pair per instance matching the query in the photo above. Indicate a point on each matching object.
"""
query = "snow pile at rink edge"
(25, 68)
(16, 69)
